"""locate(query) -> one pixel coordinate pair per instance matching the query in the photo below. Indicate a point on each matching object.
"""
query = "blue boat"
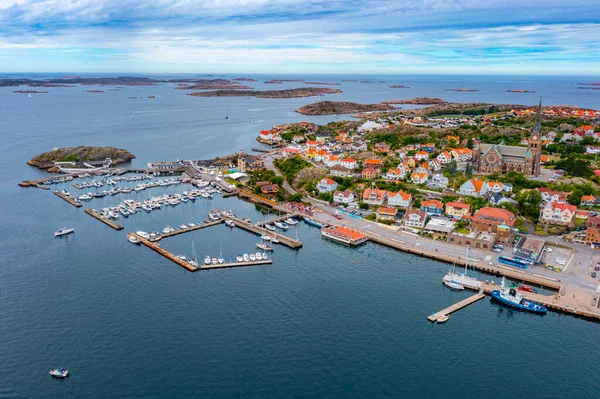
(511, 298)
(312, 222)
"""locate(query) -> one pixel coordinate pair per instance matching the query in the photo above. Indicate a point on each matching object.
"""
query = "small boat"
(443, 318)
(258, 256)
(264, 247)
(281, 225)
(214, 261)
(252, 257)
(132, 239)
(239, 258)
(193, 262)
(63, 231)
(182, 257)
(291, 221)
(84, 197)
(207, 260)
(59, 373)
(527, 288)
(213, 216)
(453, 285)
(143, 234)
(230, 223)
(269, 227)
(246, 258)
(167, 230)
(264, 256)
(220, 258)
(312, 222)
(509, 297)
(183, 226)
(266, 237)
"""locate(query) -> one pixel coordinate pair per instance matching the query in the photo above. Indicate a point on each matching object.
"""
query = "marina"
(109, 222)
(69, 198)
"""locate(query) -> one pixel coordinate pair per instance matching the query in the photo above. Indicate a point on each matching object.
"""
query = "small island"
(29, 92)
(462, 90)
(399, 87)
(95, 91)
(340, 107)
(211, 84)
(520, 91)
(417, 101)
(47, 160)
(321, 83)
(245, 79)
(290, 93)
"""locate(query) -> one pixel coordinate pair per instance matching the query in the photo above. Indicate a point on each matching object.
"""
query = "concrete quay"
(70, 199)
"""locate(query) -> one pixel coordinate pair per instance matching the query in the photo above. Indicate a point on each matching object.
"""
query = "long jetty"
(187, 265)
(70, 199)
(188, 229)
(285, 240)
(457, 306)
(271, 221)
(109, 222)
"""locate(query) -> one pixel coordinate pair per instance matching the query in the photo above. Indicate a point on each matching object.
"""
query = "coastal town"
(518, 188)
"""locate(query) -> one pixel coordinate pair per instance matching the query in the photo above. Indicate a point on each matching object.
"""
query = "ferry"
(509, 297)
(312, 222)
(63, 231)
(59, 373)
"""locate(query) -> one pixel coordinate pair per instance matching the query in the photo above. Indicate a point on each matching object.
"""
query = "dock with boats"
(457, 306)
(283, 239)
(69, 198)
(109, 222)
(188, 229)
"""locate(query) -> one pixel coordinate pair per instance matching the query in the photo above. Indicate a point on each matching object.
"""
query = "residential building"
(331, 160)
(560, 214)
(473, 187)
(418, 178)
(349, 163)
(400, 199)
(499, 199)
(422, 155)
(457, 210)
(386, 214)
(368, 173)
(438, 180)
(488, 219)
(432, 207)
(552, 196)
(493, 186)
(327, 185)
(343, 197)
(374, 196)
(340, 171)
(588, 200)
(592, 234)
(444, 157)
(269, 190)
(395, 174)
(415, 218)
(376, 164)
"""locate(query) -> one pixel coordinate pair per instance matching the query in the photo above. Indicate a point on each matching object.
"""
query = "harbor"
(68, 198)
(107, 221)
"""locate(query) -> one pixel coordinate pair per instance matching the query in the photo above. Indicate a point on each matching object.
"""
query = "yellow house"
(457, 210)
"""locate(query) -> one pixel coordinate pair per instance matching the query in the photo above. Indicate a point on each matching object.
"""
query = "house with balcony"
(472, 187)
(432, 207)
(418, 178)
(400, 199)
(374, 196)
(386, 214)
(327, 185)
(395, 174)
(368, 173)
(415, 218)
(343, 197)
(457, 210)
(558, 214)
(349, 163)
(438, 180)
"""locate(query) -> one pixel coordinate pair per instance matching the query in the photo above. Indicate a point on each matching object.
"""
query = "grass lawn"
(463, 231)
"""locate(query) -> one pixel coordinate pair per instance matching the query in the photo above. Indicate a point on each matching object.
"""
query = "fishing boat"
(132, 239)
(246, 258)
(453, 285)
(511, 298)
(207, 260)
(312, 222)
(59, 373)
(63, 231)
(281, 225)
(239, 258)
(269, 227)
(252, 257)
(230, 223)
(443, 318)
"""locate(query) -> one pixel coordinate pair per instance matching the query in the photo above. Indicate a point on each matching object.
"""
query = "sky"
(550, 37)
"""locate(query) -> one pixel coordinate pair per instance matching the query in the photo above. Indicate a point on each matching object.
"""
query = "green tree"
(529, 203)
(469, 170)
(575, 197)
(450, 169)
(295, 198)
(362, 205)
(417, 203)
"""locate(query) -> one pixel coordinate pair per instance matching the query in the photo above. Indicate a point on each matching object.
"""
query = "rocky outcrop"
(291, 93)
(418, 101)
(46, 160)
(340, 107)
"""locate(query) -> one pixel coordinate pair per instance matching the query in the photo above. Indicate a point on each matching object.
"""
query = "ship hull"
(498, 298)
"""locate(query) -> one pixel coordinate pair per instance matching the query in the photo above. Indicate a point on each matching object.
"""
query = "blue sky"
(560, 37)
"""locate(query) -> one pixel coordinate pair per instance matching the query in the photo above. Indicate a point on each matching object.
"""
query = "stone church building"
(500, 158)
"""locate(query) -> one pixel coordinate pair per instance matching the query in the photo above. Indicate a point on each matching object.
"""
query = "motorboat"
(264, 256)
(246, 258)
(239, 258)
(132, 239)
(230, 223)
(313, 222)
(511, 298)
(182, 257)
(291, 221)
(213, 216)
(143, 234)
(84, 197)
(264, 247)
(207, 260)
(252, 257)
(269, 227)
(220, 260)
(168, 230)
(183, 226)
(258, 256)
(64, 231)
(453, 285)
(527, 288)
(215, 261)
(266, 237)
(443, 318)
(281, 225)
(59, 373)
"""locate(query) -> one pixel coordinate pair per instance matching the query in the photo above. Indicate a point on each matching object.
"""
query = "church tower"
(535, 142)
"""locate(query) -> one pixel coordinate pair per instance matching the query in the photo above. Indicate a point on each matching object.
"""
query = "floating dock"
(106, 221)
(271, 221)
(285, 240)
(69, 199)
(188, 229)
(457, 306)
(236, 264)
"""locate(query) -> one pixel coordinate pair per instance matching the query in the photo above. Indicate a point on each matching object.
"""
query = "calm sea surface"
(322, 321)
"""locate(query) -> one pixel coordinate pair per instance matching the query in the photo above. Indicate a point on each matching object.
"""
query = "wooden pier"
(188, 266)
(277, 219)
(108, 222)
(70, 199)
(285, 240)
(188, 229)
(457, 306)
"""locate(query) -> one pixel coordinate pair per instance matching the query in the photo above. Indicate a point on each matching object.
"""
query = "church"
(501, 158)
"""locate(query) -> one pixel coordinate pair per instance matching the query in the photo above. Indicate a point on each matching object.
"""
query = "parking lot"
(552, 255)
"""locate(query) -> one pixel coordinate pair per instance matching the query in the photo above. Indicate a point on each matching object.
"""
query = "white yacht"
(239, 258)
(132, 239)
(207, 260)
(64, 231)
(143, 234)
(59, 373)
(252, 257)
(258, 256)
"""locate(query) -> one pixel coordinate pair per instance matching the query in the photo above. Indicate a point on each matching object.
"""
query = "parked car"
(561, 262)
(496, 250)
(547, 249)
(593, 274)
(499, 246)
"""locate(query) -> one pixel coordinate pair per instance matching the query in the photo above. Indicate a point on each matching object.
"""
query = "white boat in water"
(264, 247)
(59, 373)
(207, 260)
(143, 234)
(264, 256)
(291, 221)
(269, 227)
(281, 225)
(239, 258)
(258, 256)
(453, 285)
(454, 276)
(132, 239)
(63, 231)
(246, 258)
(252, 257)
(230, 223)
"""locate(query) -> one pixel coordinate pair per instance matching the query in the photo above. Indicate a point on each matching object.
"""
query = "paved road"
(268, 160)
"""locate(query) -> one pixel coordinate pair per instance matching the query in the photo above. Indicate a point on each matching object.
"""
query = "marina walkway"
(69, 199)
(285, 240)
(188, 229)
(109, 222)
(457, 306)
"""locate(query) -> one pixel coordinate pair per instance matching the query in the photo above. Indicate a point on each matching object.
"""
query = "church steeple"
(536, 130)
(535, 142)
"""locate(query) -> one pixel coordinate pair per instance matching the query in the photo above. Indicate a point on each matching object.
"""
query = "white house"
(421, 155)
(349, 163)
(548, 195)
(473, 187)
(415, 218)
(493, 186)
(331, 160)
(400, 199)
(327, 185)
(418, 178)
(395, 174)
(438, 180)
(343, 197)
(554, 213)
(374, 196)
(444, 157)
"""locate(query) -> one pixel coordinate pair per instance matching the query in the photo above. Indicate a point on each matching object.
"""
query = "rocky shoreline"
(47, 159)
(290, 93)
(340, 107)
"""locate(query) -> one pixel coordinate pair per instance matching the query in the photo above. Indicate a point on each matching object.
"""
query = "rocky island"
(212, 84)
(399, 87)
(290, 93)
(417, 101)
(462, 90)
(340, 107)
(29, 92)
(520, 91)
(47, 160)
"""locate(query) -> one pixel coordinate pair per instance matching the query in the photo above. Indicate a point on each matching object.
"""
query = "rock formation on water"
(46, 160)
(340, 107)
